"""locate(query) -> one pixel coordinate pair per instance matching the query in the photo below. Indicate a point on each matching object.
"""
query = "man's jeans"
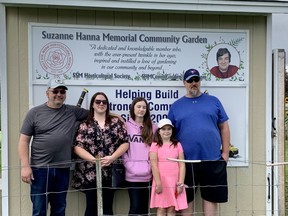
(50, 185)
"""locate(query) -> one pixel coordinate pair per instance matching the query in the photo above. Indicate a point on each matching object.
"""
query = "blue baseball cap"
(191, 73)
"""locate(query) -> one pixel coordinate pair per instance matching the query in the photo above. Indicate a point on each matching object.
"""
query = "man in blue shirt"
(202, 128)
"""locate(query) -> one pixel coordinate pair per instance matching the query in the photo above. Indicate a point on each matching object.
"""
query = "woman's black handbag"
(118, 175)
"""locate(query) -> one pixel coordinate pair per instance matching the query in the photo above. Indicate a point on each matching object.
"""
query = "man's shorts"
(211, 177)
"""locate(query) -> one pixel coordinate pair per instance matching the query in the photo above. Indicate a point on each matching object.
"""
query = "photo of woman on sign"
(224, 69)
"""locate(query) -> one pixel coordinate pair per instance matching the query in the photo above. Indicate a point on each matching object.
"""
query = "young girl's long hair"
(146, 130)
(159, 141)
(90, 117)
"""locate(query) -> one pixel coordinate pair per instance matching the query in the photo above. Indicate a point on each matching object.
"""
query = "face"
(100, 104)
(192, 86)
(165, 132)
(140, 109)
(223, 62)
(56, 97)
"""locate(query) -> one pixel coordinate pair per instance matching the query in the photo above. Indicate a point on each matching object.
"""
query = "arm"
(120, 151)
(124, 144)
(155, 171)
(80, 143)
(182, 172)
(225, 138)
(23, 152)
(107, 160)
(85, 155)
(118, 116)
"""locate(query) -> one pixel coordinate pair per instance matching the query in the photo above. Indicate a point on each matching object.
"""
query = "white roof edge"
(250, 7)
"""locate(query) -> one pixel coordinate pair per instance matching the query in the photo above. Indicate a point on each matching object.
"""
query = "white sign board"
(126, 63)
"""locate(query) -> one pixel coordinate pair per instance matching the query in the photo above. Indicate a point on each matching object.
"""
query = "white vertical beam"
(279, 144)
(4, 114)
(269, 115)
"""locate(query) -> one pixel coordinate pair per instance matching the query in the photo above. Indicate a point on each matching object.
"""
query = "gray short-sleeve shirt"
(53, 132)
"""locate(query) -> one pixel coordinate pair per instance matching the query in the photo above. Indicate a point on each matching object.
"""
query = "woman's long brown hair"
(147, 130)
(90, 117)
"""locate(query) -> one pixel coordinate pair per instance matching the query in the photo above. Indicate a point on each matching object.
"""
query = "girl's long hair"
(159, 141)
(90, 117)
(146, 130)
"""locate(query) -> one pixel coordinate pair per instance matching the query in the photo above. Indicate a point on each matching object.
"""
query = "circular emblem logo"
(56, 58)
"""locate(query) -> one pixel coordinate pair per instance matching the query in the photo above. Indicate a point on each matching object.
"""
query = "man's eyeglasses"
(98, 102)
(56, 91)
(193, 79)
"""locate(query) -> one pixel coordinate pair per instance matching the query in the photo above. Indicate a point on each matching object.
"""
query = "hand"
(158, 189)
(225, 156)
(107, 161)
(26, 174)
(179, 189)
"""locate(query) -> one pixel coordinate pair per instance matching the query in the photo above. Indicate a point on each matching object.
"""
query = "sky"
(280, 33)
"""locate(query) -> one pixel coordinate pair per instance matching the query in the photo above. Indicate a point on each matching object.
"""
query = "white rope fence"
(234, 205)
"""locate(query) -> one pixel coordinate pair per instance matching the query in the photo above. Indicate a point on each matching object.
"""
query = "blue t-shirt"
(196, 121)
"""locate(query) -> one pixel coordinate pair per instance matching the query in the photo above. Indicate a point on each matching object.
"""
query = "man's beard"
(194, 92)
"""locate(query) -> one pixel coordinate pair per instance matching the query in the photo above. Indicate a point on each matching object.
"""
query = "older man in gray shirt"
(52, 127)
